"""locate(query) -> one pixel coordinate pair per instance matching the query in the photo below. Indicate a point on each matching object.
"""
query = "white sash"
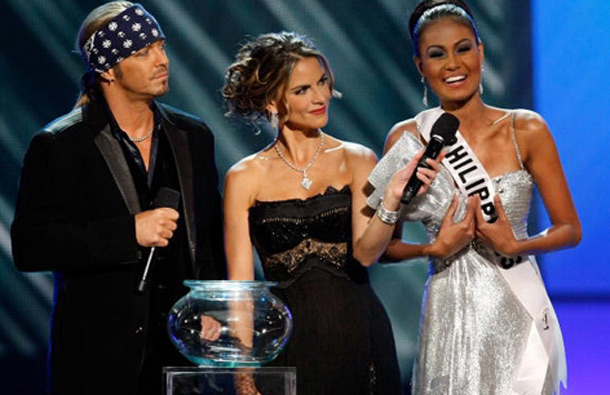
(545, 346)
(464, 166)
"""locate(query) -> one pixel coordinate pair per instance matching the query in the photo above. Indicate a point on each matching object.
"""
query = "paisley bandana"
(124, 35)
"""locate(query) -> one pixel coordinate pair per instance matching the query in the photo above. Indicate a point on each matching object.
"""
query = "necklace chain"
(140, 139)
(306, 182)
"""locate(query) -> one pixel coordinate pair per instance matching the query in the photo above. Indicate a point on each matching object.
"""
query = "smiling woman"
(307, 96)
(301, 202)
(451, 60)
(488, 326)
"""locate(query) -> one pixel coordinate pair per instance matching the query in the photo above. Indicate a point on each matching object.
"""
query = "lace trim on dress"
(290, 260)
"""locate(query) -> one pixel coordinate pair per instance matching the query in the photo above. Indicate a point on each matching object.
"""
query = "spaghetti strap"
(514, 138)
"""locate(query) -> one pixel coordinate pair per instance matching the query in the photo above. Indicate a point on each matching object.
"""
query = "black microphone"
(442, 134)
(166, 197)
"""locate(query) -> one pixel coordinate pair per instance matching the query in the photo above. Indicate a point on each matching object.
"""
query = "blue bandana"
(124, 35)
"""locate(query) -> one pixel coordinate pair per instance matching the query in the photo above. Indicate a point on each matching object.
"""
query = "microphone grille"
(445, 127)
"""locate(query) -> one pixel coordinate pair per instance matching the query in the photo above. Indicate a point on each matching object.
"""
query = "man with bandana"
(90, 210)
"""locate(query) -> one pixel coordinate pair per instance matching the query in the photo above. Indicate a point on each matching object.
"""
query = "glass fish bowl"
(229, 323)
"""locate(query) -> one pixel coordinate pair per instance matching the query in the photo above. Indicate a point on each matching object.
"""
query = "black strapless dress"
(342, 340)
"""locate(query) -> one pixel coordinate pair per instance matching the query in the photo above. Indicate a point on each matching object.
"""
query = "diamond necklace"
(306, 182)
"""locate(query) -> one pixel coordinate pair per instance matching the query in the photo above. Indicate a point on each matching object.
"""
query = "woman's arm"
(239, 195)
(542, 161)
(371, 235)
(452, 237)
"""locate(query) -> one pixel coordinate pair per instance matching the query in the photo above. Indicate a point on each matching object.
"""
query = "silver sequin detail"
(473, 330)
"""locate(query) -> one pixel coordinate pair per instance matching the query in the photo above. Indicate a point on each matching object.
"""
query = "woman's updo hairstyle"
(261, 72)
(428, 11)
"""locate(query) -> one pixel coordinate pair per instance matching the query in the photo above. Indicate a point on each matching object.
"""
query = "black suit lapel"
(115, 159)
(178, 140)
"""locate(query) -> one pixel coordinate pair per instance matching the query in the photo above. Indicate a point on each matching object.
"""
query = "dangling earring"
(481, 83)
(275, 120)
(425, 96)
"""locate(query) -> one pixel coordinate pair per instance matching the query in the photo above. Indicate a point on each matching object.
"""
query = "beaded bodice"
(292, 236)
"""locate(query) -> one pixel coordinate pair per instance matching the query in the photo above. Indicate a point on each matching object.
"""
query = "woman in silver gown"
(487, 325)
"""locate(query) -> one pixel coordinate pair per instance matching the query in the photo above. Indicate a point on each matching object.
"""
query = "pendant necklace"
(305, 182)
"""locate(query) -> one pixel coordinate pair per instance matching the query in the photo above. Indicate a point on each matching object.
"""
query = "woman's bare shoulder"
(249, 168)
(528, 120)
(354, 153)
(530, 126)
(533, 134)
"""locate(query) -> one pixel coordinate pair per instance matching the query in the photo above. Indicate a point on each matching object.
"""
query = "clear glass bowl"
(229, 323)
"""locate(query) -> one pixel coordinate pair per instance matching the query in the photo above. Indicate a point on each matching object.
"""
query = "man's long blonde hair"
(94, 21)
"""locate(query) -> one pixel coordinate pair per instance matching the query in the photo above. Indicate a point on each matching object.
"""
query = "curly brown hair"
(261, 72)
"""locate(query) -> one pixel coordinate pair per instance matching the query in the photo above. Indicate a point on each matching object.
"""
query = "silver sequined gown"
(473, 331)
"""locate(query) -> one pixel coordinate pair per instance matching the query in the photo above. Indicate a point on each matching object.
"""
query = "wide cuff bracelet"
(387, 216)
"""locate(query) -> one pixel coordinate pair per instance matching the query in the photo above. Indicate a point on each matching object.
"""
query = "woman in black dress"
(301, 201)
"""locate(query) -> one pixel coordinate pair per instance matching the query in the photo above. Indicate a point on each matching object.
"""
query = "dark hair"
(432, 10)
(93, 22)
(261, 72)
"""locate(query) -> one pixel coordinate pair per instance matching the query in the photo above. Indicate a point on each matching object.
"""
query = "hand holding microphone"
(154, 228)
(442, 134)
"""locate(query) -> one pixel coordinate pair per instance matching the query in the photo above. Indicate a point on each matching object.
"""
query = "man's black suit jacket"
(75, 217)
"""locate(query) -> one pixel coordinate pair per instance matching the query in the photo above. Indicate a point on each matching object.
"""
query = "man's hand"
(155, 227)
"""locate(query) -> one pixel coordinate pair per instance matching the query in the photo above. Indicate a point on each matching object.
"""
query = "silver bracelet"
(387, 216)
